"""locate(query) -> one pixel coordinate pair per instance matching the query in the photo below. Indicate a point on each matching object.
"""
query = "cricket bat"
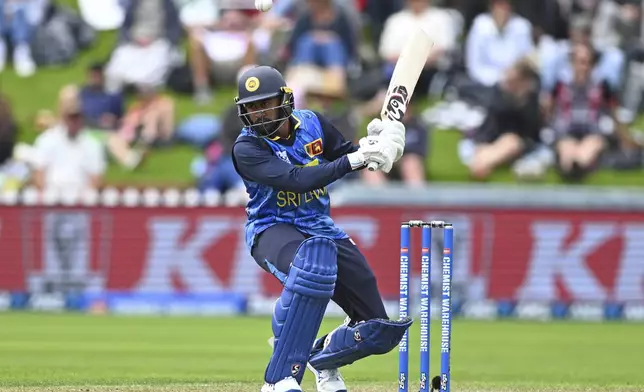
(403, 81)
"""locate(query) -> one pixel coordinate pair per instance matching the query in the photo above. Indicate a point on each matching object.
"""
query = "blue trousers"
(17, 26)
(356, 290)
(323, 54)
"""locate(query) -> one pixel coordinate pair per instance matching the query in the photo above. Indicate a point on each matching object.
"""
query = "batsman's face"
(263, 111)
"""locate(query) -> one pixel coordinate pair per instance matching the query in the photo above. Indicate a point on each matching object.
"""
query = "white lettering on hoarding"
(629, 285)
(168, 256)
(550, 260)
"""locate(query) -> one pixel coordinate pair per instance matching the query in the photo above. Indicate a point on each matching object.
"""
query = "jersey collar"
(295, 123)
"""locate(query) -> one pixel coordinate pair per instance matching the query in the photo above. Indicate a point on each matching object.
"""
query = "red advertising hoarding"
(498, 253)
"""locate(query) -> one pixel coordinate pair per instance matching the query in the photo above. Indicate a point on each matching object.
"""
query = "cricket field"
(67, 352)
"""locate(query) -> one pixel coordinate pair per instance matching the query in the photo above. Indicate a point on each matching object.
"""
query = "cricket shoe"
(329, 380)
(288, 384)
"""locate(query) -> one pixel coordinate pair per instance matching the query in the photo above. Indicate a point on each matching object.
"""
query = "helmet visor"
(265, 121)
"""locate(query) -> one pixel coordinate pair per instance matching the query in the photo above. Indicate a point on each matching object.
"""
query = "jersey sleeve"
(335, 145)
(255, 163)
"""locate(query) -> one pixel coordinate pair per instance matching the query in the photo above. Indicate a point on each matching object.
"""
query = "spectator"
(436, 22)
(17, 22)
(497, 40)
(620, 23)
(68, 160)
(8, 130)
(284, 13)
(512, 123)
(148, 41)
(410, 169)
(377, 13)
(219, 172)
(280, 20)
(323, 40)
(101, 109)
(150, 120)
(218, 50)
(580, 115)
(103, 112)
(333, 103)
(336, 107)
(617, 24)
(556, 66)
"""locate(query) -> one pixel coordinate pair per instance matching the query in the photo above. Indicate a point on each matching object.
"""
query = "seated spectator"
(66, 159)
(377, 13)
(323, 38)
(147, 44)
(497, 40)
(580, 114)
(17, 23)
(8, 130)
(436, 22)
(619, 24)
(336, 107)
(410, 169)
(103, 112)
(217, 171)
(150, 120)
(556, 65)
(220, 47)
(282, 15)
(101, 109)
(332, 101)
(512, 123)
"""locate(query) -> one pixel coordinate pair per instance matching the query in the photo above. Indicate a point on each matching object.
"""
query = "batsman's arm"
(258, 164)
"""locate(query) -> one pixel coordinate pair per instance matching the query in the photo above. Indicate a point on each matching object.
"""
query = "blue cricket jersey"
(286, 179)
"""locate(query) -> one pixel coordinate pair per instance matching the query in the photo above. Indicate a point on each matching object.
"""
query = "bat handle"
(372, 166)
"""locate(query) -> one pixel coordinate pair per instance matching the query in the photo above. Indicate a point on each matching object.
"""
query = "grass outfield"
(40, 352)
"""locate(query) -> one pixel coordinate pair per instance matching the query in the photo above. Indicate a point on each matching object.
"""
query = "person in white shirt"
(439, 25)
(67, 160)
(436, 22)
(496, 41)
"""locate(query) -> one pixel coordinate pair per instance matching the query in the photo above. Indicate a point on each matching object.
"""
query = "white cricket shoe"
(326, 380)
(329, 380)
(288, 384)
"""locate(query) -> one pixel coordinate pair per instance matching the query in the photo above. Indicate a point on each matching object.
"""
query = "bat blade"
(410, 64)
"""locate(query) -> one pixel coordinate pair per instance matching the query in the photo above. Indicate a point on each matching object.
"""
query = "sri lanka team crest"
(314, 148)
(252, 84)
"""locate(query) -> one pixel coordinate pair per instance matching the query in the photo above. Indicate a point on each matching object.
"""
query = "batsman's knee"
(314, 269)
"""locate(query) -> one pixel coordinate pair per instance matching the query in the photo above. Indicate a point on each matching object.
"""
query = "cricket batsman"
(286, 158)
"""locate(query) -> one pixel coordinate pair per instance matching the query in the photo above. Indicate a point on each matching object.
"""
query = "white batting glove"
(393, 130)
(380, 151)
(375, 127)
(373, 151)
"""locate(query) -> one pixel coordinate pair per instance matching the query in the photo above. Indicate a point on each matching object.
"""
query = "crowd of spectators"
(532, 84)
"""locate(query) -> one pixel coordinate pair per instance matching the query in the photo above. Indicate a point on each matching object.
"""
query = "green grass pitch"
(62, 352)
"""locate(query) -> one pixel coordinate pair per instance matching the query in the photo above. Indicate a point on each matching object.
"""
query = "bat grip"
(372, 166)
